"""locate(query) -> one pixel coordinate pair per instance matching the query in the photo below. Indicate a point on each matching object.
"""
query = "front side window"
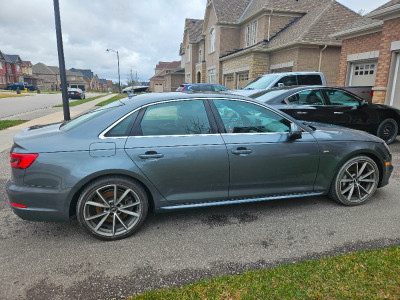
(244, 117)
(287, 81)
(176, 118)
(212, 40)
(310, 97)
(337, 97)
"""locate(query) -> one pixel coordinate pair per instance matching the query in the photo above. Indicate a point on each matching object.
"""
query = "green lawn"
(9, 123)
(112, 99)
(79, 102)
(361, 275)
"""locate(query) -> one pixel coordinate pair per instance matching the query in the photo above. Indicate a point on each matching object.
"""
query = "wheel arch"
(151, 193)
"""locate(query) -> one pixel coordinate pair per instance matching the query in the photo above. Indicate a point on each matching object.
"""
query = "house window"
(211, 76)
(212, 40)
(247, 36)
(200, 55)
(1, 65)
(255, 29)
(188, 53)
(72, 77)
(18, 68)
(188, 78)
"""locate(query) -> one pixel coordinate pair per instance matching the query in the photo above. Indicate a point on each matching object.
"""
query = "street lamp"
(119, 77)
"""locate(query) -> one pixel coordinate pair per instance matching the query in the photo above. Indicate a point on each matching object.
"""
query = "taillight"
(22, 161)
(18, 205)
(372, 93)
(77, 93)
(182, 89)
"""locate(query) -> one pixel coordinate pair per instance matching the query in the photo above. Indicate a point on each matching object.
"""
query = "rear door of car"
(263, 160)
(176, 145)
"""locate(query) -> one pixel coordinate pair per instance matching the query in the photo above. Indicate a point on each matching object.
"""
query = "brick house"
(243, 39)
(10, 69)
(75, 80)
(27, 72)
(371, 53)
(157, 82)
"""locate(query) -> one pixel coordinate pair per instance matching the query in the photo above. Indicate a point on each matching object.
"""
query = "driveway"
(60, 261)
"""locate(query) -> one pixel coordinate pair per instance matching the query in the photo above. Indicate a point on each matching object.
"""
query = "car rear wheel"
(388, 130)
(112, 208)
(355, 182)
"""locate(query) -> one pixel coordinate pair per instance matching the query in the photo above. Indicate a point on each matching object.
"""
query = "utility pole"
(61, 61)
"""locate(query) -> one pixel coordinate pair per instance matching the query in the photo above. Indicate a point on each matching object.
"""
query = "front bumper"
(387, 171)
(42, 204)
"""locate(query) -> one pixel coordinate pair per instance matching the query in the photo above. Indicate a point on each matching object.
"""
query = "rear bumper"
(42, 204)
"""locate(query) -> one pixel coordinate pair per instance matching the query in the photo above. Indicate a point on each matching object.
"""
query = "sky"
(143, 32)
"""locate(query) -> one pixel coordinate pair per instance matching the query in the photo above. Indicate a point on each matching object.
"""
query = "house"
(103, 84)
(157, 82)
(75, 80)
(110, 85)
(87, 77)
(371, 53)
(10, 69)
(49, 77)
(27, 72)
(243, 39)
(173, 80)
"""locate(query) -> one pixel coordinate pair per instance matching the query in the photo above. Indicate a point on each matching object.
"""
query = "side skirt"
(229, 202)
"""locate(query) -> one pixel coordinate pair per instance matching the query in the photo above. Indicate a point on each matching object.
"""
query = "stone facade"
(256, 37)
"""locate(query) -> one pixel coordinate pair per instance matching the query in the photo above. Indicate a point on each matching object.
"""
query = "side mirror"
(295, 132)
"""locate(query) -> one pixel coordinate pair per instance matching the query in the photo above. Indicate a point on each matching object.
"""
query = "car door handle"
(150, 155)
(302, 112)
(242, 151)
(338, 113)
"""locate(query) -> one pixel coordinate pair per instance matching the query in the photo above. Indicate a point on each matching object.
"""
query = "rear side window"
(123, 128)
(176, 118)
(309, 79)
(310, 97)
(337, 97)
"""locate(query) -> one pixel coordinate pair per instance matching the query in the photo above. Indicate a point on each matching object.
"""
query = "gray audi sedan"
(168, 151)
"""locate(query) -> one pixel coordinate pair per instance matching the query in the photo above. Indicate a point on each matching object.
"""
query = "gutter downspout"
(320, 57)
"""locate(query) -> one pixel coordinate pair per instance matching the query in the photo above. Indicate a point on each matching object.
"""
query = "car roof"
(295, 73)
(201, 84)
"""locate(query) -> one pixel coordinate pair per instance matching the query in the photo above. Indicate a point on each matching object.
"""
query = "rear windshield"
(90, 115)
(261, 82)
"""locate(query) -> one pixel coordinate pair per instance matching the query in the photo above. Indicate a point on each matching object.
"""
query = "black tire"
(388, 130)
(117, 216)
(355, 182)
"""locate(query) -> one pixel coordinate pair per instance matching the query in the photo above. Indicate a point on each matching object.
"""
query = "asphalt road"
(60, 261)
(33, 106)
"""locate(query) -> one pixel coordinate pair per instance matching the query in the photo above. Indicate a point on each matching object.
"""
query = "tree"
(132, 79)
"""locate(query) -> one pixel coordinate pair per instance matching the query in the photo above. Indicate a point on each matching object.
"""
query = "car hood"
(245, 93)
(330, 132)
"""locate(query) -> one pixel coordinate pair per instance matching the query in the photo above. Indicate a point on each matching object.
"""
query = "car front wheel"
(355, 182)
(388, 130)
(112, 208)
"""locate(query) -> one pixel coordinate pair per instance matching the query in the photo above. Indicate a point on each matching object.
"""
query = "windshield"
(90, 115)
(262, 82)
(268, 95)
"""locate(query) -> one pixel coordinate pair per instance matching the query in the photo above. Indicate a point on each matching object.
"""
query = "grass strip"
(9, 95)
(112, 99)
(360, 275)
(79, 102)
(9, 123)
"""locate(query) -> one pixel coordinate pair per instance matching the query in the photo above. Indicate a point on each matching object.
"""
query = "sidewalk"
(7, 135)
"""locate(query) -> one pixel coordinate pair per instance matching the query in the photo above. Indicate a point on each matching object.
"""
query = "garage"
(395, 88)
(363, 74)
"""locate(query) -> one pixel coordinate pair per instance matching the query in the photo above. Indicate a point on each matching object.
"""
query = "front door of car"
(307, 105)
(347, 110)
(175, 147)
(263, 160)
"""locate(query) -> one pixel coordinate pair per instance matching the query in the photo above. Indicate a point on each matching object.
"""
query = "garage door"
(363, 74)
(158, 88)
(229, 83)
(243, 79)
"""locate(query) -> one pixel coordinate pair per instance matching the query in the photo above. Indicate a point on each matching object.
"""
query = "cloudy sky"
(144, 32)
